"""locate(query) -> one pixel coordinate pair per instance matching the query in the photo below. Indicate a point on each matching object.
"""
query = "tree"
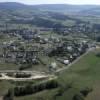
(9, 95)
(78, 97)
(86, 91)
(98, 54)
(98, 39)
(35, 31)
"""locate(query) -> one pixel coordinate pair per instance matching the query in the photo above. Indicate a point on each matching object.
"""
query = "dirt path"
(33, 77)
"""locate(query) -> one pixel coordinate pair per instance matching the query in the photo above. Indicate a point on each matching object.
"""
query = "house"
(66, 62)
(53, 67)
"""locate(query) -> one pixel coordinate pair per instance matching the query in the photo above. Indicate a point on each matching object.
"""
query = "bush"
(30, 89)
(82, 94)
(86, 91)
(22, 75)
(98, 39)
(9, 95)
(98, 54)
(78, 97)
(25, 66)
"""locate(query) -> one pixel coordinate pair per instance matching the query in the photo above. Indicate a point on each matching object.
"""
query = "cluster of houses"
(15, 52)
(67, 52)
(22, 33)
(62, 51)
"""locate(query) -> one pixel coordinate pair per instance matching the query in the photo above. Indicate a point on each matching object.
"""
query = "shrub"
(78, 97)
(22, 75)
(30, 89)
(98, 54)
(9, 95)
(85, 91)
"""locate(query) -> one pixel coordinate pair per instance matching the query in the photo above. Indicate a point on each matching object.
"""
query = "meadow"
(83, 74)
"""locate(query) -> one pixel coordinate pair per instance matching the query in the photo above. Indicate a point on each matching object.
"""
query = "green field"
(85, 73)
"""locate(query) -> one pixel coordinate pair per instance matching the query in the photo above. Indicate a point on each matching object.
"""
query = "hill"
(92, 12)
(64, 8)
(51, 16)
(11, 5)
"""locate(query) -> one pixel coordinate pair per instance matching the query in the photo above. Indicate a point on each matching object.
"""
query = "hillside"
(14, 15)
(92, 12)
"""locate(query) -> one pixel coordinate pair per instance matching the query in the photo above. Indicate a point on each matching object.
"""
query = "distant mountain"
(11, 5)
(92, 12)
(80, 18)
(65, 8)
(62, 8)
(48, 15)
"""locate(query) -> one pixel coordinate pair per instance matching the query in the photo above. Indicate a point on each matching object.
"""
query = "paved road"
(69, 65)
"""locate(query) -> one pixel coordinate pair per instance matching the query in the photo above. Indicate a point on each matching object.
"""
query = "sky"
(32, 2)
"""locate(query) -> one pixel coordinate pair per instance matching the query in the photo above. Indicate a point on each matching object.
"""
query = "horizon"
(68, 2)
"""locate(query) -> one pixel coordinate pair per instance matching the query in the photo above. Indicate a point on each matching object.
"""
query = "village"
(49, 51)
(33, 52)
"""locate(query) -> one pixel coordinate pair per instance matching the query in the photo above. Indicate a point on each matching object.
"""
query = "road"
(69, 65)
(33, 77)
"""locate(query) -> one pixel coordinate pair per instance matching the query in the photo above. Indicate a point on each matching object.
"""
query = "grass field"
(95, 95)
(5, 85)
(85, 73)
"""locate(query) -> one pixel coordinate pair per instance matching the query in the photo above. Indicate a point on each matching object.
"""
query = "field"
(5, 85)
(83, 74)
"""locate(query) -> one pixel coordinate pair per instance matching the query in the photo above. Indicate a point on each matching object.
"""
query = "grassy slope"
(4, 86)
(95, 95)
(84, 73)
